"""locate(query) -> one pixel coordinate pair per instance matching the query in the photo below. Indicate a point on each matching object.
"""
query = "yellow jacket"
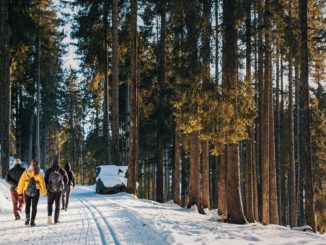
(24, 181)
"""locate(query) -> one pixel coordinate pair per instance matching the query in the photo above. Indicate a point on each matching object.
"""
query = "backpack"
(31, 188)
(55, 181)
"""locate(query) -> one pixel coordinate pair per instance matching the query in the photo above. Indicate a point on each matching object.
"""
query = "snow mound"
(112, 175)
(4, 195)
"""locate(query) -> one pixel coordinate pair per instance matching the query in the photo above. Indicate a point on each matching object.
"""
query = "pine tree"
(133, 158)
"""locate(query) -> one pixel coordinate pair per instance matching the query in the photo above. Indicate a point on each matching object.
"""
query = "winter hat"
(55, 162)
(17, 161)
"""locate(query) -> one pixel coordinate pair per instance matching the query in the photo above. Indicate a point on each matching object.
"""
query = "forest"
(215, 103)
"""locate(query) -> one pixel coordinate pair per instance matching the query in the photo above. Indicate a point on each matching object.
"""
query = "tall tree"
(305, 135)
(265, 171)
(106, 121)
(161, 118)
(250, 164)
(115, 83)
(292, 170)
(206, 29)
(229, 57)
(133, 152)
(5, 87)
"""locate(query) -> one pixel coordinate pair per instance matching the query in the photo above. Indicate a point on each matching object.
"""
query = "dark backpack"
(31, 188)
(55, 181)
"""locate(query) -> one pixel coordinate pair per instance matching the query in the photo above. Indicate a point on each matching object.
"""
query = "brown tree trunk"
(115, 84)
(251, 134)
(222, 191)
(106, 131)
(194, 179)
(292, 171)
(205, 175)
(234, 202)
(176, 179)
(230, 70)
(5, 88)
(161, 119)
(265, 123)
(206, 80)
(133, 158)
(305, 118)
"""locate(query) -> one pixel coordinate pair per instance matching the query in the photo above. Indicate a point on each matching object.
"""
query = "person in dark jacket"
(12, 178)
(69, 187)
(55, 179)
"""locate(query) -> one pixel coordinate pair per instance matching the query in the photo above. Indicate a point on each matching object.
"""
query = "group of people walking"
(28, 184)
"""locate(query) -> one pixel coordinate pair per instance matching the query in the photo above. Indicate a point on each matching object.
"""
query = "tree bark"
(115, 84)
(176, 179)
(305, 118)
(265, 110)
(133, 152)
(206, 80)
(222, 191)
(292, 171)
(230, 70)
(194, 179)
(5, 88)
(106, 130)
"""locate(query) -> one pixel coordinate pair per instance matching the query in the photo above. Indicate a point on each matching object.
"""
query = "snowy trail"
(124, 219)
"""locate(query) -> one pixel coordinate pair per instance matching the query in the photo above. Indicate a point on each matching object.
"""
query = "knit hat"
(17, 161)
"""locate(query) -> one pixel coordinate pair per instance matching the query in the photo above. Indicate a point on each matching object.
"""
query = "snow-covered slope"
(124, 219)
(4, 195)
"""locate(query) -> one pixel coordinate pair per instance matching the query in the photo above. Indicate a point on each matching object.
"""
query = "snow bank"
(112, 175)
(4, 195)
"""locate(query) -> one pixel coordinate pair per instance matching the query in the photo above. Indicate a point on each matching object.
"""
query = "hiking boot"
(17, 216)
(50, 220)
(27, 221)
(56, 222)
(32, 223)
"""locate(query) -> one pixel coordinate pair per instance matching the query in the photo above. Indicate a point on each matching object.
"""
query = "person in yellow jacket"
(32, 191)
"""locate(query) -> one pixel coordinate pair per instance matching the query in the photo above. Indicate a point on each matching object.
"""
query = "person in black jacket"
(55, 179)
(69, 187)
(13, 177)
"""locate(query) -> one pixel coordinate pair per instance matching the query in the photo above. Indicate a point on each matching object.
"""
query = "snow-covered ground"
(124, 219)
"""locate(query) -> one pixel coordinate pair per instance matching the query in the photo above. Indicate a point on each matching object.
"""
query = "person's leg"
(50, 202)
(14, 198)
(67, 196)
(34, 207)
(57, 207)
(20, 203)
(64, 198)
(28, 201)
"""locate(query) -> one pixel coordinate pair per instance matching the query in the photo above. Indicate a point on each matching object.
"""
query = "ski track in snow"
(124, 219)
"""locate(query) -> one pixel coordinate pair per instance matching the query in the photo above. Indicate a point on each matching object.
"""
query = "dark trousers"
(54, 197)
(17, 202)
(31, 201)
(65, 196)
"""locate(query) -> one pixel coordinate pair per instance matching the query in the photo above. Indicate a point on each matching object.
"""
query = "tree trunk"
(222, 191)
(278, 135)
(194, 179)
(265, 123)
(176, 179)
(292, 171)
(305, 119)
(106, 130)
(230, 70)
(251, 134)
(5, 88)
(115, 84)
(234, 202)
(133, 158)
(216, 42)
(161, 118)
(206, 80)
(273, 200)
